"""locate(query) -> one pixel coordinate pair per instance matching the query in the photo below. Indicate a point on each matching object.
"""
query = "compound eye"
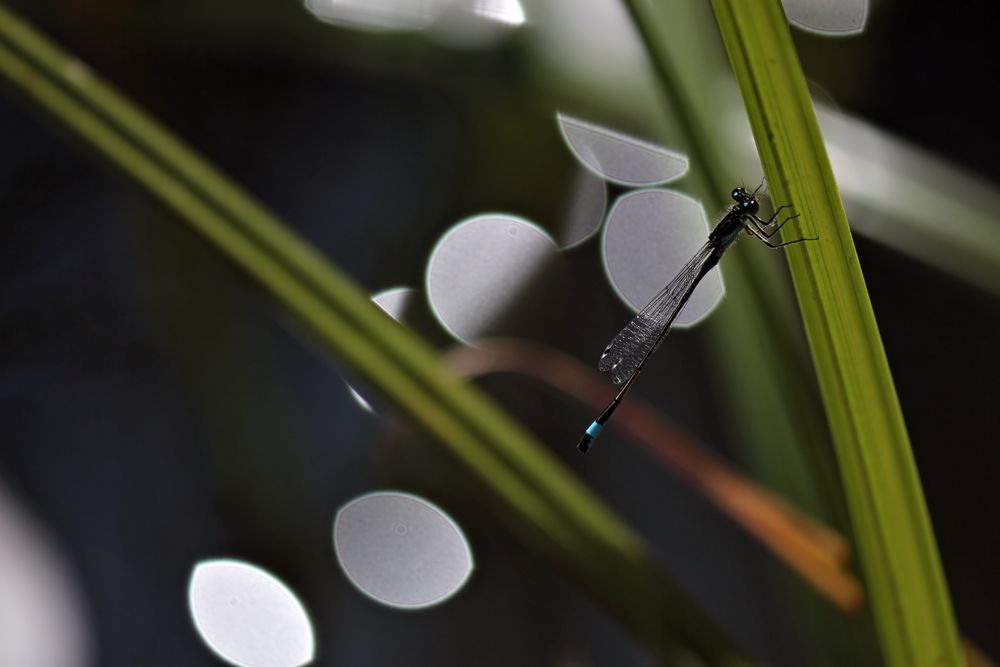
(738, 193)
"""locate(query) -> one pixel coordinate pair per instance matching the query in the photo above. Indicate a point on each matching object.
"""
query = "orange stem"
(817, 553)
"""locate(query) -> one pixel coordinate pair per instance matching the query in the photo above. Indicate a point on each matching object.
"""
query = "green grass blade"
(896, 546)
(773, 408)
(536, 496)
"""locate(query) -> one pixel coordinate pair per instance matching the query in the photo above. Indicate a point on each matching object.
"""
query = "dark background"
(156, 409)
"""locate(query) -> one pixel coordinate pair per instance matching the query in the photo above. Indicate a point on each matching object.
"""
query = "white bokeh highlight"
(502, 11)
(584, 212)
(618, 157)
(477, 24)
(593, 46)
(488, 270)
(248, 617)
(379, 15)
(460, 23)
(394, 301)
(650, 235)
(833, 18)
(401, 550)
(43, 622)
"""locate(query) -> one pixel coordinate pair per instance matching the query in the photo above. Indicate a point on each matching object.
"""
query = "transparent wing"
(649, 237)
(627, 350)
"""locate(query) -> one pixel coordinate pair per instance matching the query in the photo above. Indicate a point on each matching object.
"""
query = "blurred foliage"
(773, 409)
(530, 490)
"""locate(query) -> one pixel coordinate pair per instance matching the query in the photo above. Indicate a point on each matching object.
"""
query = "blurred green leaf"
(538, 498)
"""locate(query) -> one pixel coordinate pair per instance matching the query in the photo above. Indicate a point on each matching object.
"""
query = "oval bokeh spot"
(495, 274)
(394, 301)
(619, 157)
(401, 550)
(45, 620)
(584, 211)
(833, 18)
(247, 617)
(378, 15)
(650, 235)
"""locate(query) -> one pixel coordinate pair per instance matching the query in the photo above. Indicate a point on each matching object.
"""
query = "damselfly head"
(745, 201)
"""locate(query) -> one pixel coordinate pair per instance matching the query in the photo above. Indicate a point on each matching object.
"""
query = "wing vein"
(649, 327)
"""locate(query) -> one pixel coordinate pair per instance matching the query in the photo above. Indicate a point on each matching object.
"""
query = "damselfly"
(627, 353)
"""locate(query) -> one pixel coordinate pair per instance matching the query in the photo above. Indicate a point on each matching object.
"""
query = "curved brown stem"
(817, 553)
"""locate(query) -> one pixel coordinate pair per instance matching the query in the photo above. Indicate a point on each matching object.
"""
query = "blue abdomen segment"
(593, 431)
